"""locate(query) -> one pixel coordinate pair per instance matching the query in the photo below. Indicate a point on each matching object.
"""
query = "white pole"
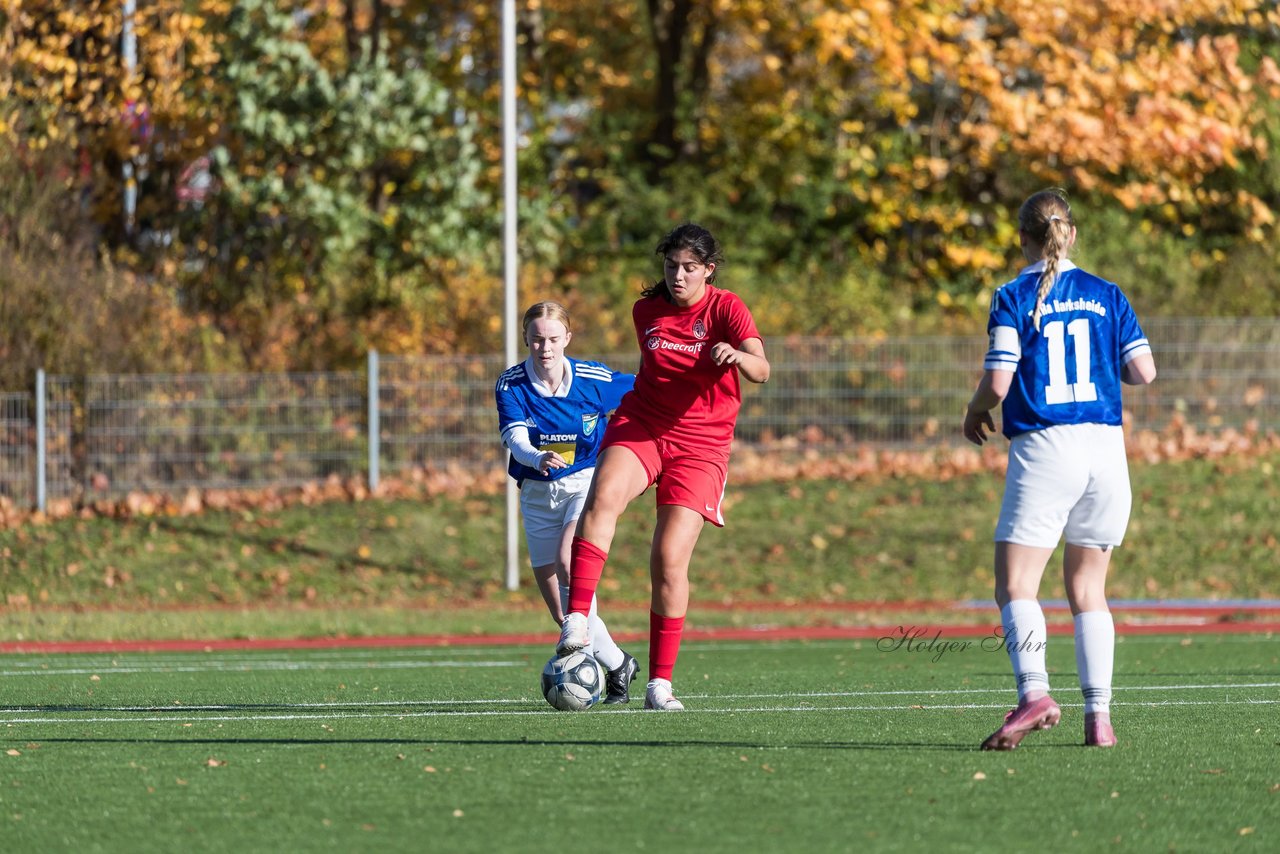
(42, 448)
(372, 384)
(510, 268)
(129, 41)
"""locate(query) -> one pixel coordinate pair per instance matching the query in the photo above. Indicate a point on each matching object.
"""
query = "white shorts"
(1070, 479)
(548, 506)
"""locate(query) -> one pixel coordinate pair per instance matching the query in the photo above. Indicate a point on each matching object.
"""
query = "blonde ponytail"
(1045, 218)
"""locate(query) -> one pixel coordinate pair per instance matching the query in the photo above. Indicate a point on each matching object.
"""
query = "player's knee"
(609, 499)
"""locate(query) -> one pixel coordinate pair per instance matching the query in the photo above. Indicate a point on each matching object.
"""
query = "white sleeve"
(1005, 350)
(1134, 349)
(516, 437)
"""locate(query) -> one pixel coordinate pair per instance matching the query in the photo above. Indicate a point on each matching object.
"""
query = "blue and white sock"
(1095, 658)
(1025, 639)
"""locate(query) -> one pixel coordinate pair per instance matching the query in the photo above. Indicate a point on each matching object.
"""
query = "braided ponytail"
(1046, 220)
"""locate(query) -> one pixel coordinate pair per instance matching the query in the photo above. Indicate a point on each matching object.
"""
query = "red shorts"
(690, 476)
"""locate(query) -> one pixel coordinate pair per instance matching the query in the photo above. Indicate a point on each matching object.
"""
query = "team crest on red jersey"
(699, 331)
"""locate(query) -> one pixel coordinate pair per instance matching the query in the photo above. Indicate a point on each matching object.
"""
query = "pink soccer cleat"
(1031, 715)
(1098, 731)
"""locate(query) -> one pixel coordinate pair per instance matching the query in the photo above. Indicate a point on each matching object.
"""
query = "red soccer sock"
(664, 644)
(586, 564)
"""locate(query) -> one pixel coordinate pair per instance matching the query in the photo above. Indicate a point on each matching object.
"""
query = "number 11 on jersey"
(1059, 390)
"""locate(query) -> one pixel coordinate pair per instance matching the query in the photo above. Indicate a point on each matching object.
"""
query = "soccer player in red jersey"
(673, 431)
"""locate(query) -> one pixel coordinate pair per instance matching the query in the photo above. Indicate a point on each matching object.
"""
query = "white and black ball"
(572, 682)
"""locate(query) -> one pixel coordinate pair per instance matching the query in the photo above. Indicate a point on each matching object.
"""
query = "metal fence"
(105, 436)
(17, 460)
(1215, 373)
(159, 432)
(438, 413)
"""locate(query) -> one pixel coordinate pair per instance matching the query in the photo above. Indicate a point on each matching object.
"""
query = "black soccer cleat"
(618, 681)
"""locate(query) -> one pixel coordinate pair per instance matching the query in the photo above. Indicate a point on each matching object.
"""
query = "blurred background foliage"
(319, 177)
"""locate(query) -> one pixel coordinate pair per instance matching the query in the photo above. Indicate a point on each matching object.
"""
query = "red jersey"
(680, 393)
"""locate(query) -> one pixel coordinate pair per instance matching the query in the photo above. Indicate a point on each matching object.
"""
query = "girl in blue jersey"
(1061, 343)
(551, 414)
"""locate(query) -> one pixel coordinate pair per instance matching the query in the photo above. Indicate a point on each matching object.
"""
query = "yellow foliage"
(919, 97)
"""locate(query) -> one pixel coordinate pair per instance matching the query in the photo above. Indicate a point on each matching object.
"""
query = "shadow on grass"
(966, 747)
(341, 558)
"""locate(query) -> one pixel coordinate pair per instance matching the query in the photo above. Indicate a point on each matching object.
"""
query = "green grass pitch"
(818, 746)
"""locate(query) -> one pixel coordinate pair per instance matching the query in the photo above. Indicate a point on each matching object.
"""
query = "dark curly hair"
(697, 240)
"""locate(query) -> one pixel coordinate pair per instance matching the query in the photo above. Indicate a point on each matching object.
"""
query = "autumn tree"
(895, 139)
(346, 187)
(862, 159)
(66, 304)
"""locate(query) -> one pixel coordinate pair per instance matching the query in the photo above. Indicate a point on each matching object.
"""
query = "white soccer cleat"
(658, 696)
(574, 634)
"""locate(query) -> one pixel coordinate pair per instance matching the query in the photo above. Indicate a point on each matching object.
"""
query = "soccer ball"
(572, 682)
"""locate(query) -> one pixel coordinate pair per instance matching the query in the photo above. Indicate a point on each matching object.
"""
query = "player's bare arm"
(750, 358)
(992, 389)
(1140, 370)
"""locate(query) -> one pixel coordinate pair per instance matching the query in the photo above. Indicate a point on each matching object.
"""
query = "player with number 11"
(1061, 342)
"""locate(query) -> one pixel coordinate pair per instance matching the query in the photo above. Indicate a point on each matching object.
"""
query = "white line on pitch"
(948, 691)
(227, 707)
(797, 696)
(541, 712)
(257, 667)
(794, 696)
(461, 649)
(350, 654)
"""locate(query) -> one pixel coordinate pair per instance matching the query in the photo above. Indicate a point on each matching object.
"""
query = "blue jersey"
(571, 422)
(1068, 372)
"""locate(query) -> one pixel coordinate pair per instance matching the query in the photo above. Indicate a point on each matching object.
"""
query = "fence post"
(375, 449)
(42, 470)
